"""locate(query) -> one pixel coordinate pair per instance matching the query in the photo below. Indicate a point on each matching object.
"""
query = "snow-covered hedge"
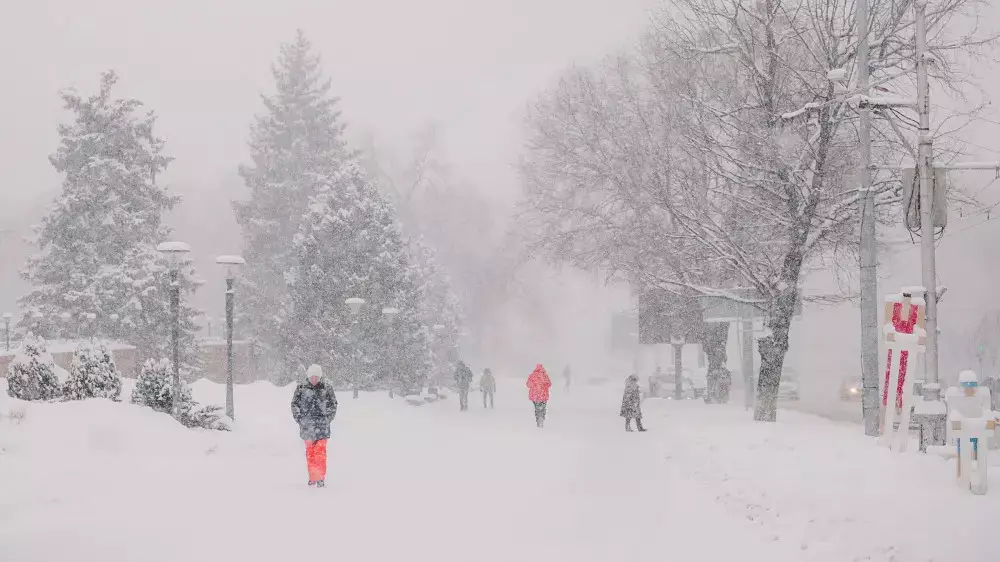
(32, 375)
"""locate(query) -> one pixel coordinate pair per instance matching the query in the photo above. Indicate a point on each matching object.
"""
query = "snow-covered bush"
(155, 390)
(93, 374)
(194, 414)
(31, 375)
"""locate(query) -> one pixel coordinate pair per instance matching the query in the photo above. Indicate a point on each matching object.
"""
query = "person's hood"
(539, 371)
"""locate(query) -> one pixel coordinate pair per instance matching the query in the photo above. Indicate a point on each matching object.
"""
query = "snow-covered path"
(112, 482)
(405, 484)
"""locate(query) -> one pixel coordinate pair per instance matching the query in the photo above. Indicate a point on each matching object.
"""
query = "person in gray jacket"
(314, 405)
(463, 380)
(488, 385)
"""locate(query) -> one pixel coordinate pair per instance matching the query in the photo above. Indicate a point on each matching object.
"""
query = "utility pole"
(925, 168)
(869, 266)
(748, 375)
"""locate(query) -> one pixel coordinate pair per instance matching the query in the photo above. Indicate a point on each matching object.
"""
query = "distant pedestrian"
(463, 378)
(488, 385)
(538, 385)
(314, 405)
(632, 403)
(568, 375)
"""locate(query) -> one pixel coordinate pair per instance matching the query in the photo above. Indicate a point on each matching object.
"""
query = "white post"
(869, 265)
(925, 166)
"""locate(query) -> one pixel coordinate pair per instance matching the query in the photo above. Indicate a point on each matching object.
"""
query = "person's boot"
(312, 483)
(321, 483)
(628, 424)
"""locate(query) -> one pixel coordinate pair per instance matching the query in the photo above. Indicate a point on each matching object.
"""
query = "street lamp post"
(390, 315)
(678, 343)
(175, 252)
(355, 304)
(6, 320)
(231, 263)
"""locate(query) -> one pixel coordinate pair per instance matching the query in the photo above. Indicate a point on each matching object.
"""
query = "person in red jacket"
(538, 392)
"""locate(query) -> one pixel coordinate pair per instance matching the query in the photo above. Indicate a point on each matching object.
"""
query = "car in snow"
(788, 386)
(662, 385)
(850, 389)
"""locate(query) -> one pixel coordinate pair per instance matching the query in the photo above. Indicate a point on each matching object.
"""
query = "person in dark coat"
(488, 385)
(314, 405)
(632, 403)
(463, 378)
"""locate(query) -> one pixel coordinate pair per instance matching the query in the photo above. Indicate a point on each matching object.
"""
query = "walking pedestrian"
(568, 375)
(488, 385)
(463, 378)
(314, 405)
(538, 385)
(632, 403)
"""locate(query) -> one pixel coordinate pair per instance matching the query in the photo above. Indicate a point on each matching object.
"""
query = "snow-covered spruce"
(154, 389)
(294, 145)
(32, 375)
(350, 245)
(93, 374)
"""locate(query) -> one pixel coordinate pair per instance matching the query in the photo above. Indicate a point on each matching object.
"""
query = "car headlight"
(854, 390)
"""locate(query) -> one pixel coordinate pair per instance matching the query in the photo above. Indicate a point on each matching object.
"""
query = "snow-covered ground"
(113, 482)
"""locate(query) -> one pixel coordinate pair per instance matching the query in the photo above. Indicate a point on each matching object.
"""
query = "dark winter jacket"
(314, 407)
(463, 376)
(487, 383)
(631, 399)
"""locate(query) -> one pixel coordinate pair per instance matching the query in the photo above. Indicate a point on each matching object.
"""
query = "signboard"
(723, 309)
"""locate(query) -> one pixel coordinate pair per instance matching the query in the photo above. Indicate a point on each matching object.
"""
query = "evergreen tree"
(441, 306)
(350, 245)
(31, 375)
(138, 289)
(294, 145)
(153, 387)
(93, 374)
(97, 243)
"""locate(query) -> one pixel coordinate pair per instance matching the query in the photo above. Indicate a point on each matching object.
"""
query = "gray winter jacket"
(313, 408)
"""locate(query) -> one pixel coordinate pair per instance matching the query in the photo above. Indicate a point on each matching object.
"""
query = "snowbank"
(828, 488)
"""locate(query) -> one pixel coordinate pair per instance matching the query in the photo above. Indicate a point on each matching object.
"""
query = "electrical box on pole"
(911, 198)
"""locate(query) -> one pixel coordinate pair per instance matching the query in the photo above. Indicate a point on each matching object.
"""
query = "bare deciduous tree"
(718, 159)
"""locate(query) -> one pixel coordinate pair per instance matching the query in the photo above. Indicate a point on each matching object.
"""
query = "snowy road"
(432, 483)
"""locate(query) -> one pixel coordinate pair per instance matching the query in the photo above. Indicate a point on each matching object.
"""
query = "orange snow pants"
(316, 459)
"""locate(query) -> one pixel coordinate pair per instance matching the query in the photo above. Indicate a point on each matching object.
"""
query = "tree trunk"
(772, 354)
(715, 336)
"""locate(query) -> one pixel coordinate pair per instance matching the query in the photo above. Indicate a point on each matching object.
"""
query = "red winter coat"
(538, 385)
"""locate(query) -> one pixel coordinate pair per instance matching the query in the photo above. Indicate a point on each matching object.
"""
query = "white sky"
(469, 65)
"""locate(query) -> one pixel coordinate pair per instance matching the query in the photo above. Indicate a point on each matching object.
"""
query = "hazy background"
(468, 66)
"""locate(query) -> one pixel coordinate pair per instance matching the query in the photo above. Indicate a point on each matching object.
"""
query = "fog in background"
(467, 66)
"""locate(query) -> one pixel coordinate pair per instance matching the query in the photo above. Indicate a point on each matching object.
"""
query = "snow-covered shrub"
(154, 386)
(93, 374)
(31, 375)
(155, 390)
(194, 414)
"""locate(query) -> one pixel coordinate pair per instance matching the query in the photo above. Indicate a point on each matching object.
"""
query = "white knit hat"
(314, 371)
